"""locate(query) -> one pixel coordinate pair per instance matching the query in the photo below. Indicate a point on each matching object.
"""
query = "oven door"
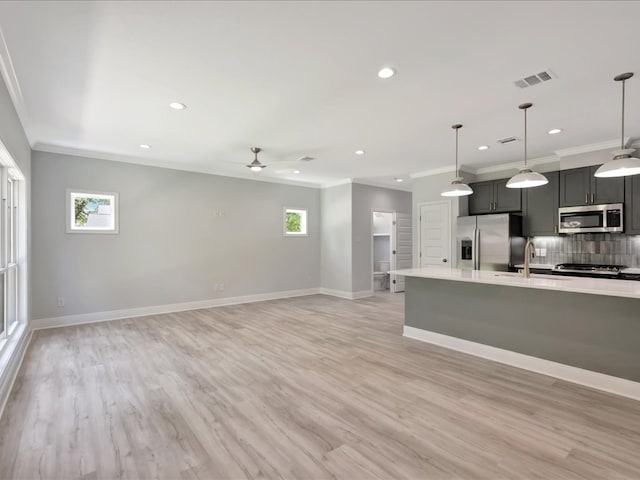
(591, 219)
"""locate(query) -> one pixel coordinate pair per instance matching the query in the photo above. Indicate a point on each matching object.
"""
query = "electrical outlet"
(543, 252)
(61, 301)
(221, 287)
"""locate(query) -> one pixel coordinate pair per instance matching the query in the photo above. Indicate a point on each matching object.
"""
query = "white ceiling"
(299, 78)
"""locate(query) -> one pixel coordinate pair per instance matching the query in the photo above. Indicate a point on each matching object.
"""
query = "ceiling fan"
(257, 166)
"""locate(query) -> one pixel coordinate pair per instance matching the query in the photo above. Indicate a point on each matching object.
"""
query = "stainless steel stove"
(588, 270)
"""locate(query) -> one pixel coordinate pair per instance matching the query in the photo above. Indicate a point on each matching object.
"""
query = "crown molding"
(13, 86)
(435, 171)
(517, 165)
(592, 147)
(337, 183)
(78, 152)
(400, 186)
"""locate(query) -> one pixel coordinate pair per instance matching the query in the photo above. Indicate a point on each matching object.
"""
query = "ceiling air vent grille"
(508, 140)
(531, 80)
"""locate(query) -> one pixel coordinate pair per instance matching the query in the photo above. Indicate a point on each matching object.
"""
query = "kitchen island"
(582, 329)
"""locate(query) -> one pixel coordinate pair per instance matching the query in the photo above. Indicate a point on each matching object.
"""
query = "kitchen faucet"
(526, 273)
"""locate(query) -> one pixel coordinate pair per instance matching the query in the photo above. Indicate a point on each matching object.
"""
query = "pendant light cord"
(457, 153)
(622, 138)
(525, 138)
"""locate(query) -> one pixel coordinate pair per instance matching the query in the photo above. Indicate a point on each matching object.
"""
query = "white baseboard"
(79, 319)
(14, 357)
(600, 381)
(345, 294)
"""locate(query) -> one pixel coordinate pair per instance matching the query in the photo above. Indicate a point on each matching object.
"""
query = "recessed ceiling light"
(553, 131)
(145, 146)
(296, 171)
(398, 179)
(177, 105)
(483, 147)
(359, 152)
(386, 72)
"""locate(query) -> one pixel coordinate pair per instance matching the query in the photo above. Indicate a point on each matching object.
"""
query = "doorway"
(382, 228)
(391, 249)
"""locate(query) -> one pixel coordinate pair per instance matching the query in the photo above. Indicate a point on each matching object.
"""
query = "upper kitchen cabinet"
(579, 186)
(541, 207)
(506, 199)
(494, 197)
(632, 205)
(481, 200)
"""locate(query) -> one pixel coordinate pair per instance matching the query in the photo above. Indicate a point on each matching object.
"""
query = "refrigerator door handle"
(476, 249)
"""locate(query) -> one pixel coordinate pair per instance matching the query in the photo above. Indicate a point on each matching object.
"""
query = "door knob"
(444, 260)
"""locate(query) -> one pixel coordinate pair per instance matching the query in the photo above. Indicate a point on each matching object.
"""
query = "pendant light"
(623, 164)
(526, 178)
(457, 187)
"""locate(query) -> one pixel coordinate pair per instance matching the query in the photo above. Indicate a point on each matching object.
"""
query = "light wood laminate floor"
(305, 388)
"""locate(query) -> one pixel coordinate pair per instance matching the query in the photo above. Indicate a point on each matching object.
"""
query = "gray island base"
(594, 332)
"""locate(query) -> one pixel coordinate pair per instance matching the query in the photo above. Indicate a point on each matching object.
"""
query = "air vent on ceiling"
(508, 140)
(531, 80)
(306, 159)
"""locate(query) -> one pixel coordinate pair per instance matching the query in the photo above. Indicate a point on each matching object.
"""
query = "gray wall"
(171, 247)
(365, 200)
(336, 238)
(12, 133)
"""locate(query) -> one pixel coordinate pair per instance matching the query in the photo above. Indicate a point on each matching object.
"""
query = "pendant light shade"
(457, 188)
(623, 164)
(526, 178)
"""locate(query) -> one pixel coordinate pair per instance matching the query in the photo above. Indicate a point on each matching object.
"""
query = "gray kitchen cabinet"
(481, 201)
(578, 186)
(607, 190)
(506, 199)
(494, 197)
(632, 205)
(541, 207)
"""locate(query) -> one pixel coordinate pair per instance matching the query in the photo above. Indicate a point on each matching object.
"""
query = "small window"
(295, 222)
(92, 212)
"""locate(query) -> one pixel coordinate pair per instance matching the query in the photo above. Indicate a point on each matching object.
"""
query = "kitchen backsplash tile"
(602, 248)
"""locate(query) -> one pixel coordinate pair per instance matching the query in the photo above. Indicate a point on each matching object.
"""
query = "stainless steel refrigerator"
(490, 242)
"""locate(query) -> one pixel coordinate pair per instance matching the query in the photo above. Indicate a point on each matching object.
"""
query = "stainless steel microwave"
(591, 219)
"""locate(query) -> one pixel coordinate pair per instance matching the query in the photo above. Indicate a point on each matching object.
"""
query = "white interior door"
(435, 234)
(401, 249)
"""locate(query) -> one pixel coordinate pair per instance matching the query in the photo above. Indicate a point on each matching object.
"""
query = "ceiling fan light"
(457, 189)
(622, 165)
(527, 178)
(256, 168)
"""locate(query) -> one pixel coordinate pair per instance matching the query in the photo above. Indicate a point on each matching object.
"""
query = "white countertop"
(595, 286)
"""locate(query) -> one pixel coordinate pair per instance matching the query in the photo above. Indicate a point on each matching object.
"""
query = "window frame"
(11, 252)
(70, 211)
(304, 222)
